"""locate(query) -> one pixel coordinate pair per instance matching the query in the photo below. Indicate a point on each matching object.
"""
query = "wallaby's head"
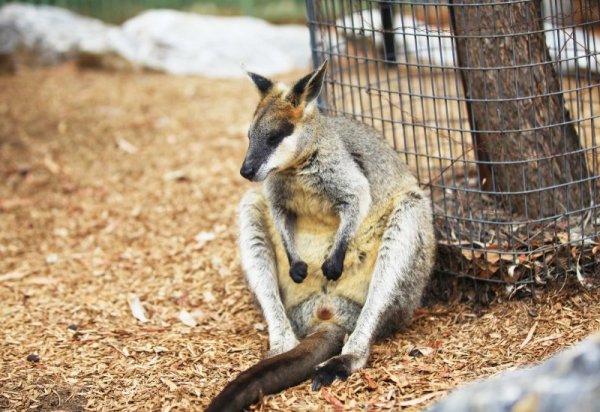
(277, 134)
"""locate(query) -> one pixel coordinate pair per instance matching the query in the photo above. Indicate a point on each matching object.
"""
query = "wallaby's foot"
(282, 343)
(298, 271)
(338, 367)
(334, 266)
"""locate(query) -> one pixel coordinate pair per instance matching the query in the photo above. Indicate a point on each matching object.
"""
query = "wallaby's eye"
(277, 135)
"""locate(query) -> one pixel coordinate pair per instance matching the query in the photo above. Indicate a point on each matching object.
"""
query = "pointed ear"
(308, 88)
(262, 83)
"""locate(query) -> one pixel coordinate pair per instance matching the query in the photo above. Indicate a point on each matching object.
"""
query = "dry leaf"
(14, 275)
(547, 338)
(41, 280)
(529, 336)
(51, 165)
(61, 232)
(471, 254)
(421, 399)
(137, 310)
(203, 238)
(208, 296)
(454, 242)
(331, 399)
(186, 318)
(494, 257)
(170, 384)
(562, 237)
(127, 147)
(52, 259)
(199, 315)
(13, 203)
(175, 175)
(62, 127)
(371, 384)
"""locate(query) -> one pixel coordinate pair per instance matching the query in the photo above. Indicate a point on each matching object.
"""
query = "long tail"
(280, 372)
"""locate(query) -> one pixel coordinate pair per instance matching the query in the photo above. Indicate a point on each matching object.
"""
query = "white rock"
(165, 40)
(568, 381)
(185, 43)
(51, 34)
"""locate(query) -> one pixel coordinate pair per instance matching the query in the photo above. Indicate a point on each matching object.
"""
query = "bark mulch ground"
(119, 277)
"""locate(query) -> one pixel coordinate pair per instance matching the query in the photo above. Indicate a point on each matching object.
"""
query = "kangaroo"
(336, 200)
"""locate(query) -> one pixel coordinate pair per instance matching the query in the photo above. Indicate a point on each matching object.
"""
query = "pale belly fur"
(314, 237)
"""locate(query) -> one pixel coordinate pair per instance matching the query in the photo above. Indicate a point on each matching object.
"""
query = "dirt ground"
(117, 186)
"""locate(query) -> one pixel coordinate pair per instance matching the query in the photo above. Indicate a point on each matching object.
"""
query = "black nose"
(247, 171)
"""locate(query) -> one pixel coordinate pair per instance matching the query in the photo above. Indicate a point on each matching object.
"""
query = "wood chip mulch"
(119, 277)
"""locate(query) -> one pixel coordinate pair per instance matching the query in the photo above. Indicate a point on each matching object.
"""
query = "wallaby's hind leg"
(259, 265)
(401, 273)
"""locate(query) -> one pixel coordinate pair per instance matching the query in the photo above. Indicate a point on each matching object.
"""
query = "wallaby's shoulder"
(359, 137)
(368, 149)
(350, 126)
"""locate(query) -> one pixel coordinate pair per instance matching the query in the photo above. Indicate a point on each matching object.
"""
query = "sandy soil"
(116, 186)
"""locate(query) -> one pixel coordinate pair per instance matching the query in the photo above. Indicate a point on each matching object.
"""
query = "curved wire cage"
(495, 104)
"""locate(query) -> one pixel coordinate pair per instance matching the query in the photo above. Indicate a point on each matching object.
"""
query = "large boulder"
(48, 35)
(569, 381)
(185, 43)
(163, 40)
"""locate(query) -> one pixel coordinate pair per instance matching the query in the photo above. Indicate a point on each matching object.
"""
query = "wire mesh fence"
(495, 105)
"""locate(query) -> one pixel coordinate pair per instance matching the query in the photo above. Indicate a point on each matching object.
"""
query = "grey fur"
(302, 315)
(258, 263)
(335, 168)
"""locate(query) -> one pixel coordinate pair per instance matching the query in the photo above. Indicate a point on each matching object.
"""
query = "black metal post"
(316, 57)
(387, 22)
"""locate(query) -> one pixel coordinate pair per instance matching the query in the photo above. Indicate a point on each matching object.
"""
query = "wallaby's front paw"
(333, 267)
(338, 367)
(298, 271)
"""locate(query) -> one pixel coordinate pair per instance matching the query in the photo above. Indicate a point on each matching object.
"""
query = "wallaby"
(335, 198)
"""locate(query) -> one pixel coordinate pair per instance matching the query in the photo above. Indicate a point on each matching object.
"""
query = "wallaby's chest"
(307, 201)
